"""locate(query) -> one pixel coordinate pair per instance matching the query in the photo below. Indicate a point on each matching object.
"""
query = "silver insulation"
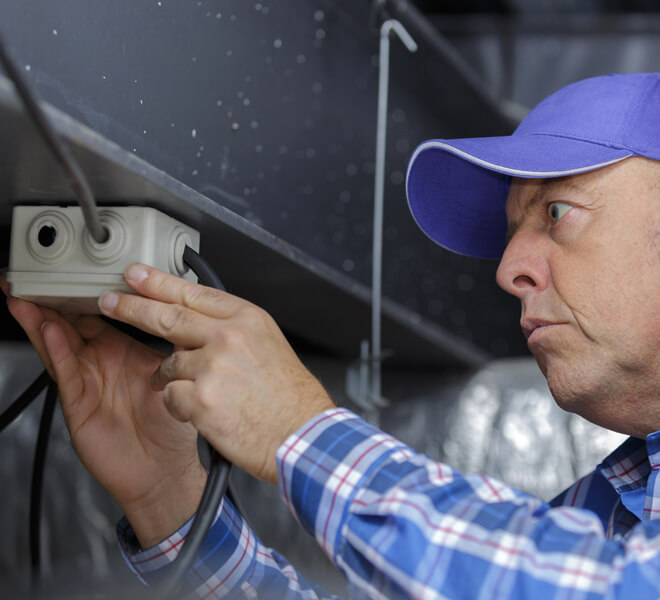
(500, 421)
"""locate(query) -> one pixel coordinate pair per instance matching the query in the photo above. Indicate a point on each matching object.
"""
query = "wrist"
(166, 509)
(318, 403)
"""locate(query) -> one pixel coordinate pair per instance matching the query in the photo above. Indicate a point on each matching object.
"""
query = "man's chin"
(569, 392)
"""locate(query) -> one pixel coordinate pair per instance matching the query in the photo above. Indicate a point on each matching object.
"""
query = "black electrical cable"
(37, 479)
(219, 470)
(24, 400)
(60, 150)
(205, 274)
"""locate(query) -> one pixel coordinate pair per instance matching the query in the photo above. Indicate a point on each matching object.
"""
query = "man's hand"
(233, 374)
(119, 425)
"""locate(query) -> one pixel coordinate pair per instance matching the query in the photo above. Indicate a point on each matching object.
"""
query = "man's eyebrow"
(539, 197)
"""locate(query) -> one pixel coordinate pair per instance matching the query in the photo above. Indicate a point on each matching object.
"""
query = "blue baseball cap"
(457, 189)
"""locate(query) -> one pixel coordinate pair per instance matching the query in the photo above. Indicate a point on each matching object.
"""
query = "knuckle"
(253, 316)
(168, 394)
(235, 337)
(171, 365)
(216, 363)
(191, 295)
(169, 317)
(174, 404)
(204, 394)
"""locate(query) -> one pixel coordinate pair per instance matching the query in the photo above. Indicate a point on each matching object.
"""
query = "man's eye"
(557, 210)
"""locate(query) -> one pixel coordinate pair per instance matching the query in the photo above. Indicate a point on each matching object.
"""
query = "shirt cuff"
(220, 566)
(323, 465)
(147, 564)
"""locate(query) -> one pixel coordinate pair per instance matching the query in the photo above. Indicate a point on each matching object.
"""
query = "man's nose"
(523, 267)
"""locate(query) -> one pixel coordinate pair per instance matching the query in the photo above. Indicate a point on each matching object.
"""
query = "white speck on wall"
(28, 67)
(54, 31)
(277, 43)
(194, 133)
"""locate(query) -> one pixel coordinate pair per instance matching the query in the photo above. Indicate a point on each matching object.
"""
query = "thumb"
(65, 364)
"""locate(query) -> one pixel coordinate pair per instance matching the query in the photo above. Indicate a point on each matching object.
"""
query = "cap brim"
(457, 189)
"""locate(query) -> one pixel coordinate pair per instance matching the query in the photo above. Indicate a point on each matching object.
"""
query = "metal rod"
(423, 29)
(387, 27)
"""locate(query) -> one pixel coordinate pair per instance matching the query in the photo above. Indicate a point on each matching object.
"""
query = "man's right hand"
(119, 426)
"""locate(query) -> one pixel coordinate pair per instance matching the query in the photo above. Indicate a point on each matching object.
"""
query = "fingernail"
(108, 301)
(136, 273)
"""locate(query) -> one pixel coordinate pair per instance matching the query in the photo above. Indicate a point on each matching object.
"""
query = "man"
(580, 189)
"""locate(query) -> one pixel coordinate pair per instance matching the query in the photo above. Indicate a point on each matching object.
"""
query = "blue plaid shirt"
(399, 524)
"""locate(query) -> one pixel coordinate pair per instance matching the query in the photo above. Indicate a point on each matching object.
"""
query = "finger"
(176, 324)
(31, 318)
(180, 365)
(4, 284)
(177, 397)
(65, 364)
(158, 285)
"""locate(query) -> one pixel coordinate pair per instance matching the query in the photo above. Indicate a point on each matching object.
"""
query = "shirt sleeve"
(233, 563)
(399, 524)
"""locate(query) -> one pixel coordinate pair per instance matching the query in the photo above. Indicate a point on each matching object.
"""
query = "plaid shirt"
(398, 524)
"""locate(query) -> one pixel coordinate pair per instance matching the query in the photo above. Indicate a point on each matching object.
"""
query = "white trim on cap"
(507, 170)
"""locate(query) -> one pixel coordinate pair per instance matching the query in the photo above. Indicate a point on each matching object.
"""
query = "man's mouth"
(534, 327)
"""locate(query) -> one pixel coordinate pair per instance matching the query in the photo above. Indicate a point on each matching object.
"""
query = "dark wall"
(269, 108)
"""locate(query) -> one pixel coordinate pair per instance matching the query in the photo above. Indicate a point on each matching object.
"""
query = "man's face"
(584, 260)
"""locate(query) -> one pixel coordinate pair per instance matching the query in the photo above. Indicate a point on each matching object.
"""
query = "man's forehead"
(527, 193)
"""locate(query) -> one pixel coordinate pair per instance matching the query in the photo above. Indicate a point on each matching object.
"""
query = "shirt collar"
(627, 469)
